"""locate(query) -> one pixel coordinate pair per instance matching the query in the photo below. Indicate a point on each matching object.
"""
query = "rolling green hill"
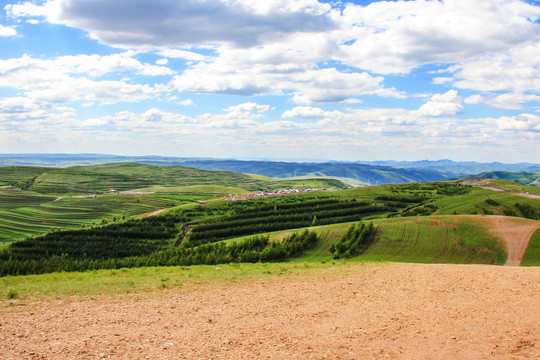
(364, 173)
(34, 200)
(527, 179)
(129, 176)
(454, 240)
(414, 222)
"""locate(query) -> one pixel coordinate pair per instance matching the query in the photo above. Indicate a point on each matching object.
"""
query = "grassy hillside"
(269, 168)
(507, 184)
(34, 200)
(532, 255)
(527, 179)
(374, 174)
(414, 222)
(455, 240)
(129, 176)
(26, 214)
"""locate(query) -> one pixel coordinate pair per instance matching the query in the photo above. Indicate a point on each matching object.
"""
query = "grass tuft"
(12, 294)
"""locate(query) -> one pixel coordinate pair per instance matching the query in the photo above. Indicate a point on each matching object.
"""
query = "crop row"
(131, 238)
(226, 228)
(249, 250)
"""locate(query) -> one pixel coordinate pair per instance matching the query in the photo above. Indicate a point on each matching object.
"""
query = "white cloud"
(268, 47)
(62, 80)
(121, 23)
(182, 54)
(248, 107)
(445, 104)
(6, 31)
(304, 112)
(162, 61)
(442, 80)
(516, 70)
(187, 102)
(510, 101)
(247, 125)
(308, 83)
(475, 99)
(309, 112)
(527, 122)
(395, 37)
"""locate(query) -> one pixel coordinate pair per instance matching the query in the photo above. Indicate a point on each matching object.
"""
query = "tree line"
(225, 228)
(253, 249)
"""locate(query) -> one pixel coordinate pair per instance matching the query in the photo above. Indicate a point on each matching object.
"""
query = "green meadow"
(413, 222)
(532, 254)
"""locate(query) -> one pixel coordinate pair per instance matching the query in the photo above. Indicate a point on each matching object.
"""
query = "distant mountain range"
(461, 167)
(374, 172)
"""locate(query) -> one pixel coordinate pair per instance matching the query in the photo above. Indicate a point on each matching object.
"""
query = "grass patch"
(11, 294)
(111, 283)
(475, 236)
(532, 254)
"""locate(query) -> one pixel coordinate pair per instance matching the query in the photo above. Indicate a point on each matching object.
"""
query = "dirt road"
(153, 213)
(516, 233)
(375, 311)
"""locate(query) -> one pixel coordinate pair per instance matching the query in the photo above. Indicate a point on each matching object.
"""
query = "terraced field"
(24, 214)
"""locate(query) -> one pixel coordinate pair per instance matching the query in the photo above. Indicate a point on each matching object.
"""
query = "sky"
(280, 79)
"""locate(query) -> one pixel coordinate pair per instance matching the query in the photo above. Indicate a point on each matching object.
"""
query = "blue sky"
(282, 79)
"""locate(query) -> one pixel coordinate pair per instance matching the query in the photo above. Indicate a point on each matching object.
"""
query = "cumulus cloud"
(475, 99)
(395, 37)
(6, 31)
(302, 50)
(445, 104)
(510, 101)
(182, 54)
(489, 45)
(249, 107)
(187, 102)
(514, 70)
(309, 112)
(240, 125)
(140, 23)
(523, 122)
(62, 80)
(309, 84)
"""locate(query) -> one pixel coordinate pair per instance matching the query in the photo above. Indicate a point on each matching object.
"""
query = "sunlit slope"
(129, 176)
(455, 240)
(532, 254)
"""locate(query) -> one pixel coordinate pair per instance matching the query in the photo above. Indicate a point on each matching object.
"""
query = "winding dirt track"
(516, 233)
(153, 213)
(377, 311)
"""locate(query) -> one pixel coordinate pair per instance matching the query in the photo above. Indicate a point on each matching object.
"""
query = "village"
(271, 193)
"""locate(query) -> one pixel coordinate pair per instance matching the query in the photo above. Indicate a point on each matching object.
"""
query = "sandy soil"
(378, 311)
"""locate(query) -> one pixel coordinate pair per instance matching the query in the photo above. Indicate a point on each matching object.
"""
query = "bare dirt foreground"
(374, 311)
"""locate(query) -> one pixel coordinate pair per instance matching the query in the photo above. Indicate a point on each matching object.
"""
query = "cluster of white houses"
(270, 193)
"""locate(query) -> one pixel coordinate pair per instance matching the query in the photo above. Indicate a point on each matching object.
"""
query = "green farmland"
(33, 214)
(449, 240)
(416, 222)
